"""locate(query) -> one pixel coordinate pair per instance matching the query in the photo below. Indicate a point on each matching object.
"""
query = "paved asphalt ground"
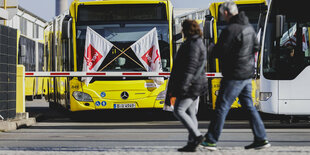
(128, 133)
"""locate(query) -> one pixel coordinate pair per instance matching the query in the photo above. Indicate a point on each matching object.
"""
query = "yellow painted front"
(139, 94)
(215, 86)
(74, 11)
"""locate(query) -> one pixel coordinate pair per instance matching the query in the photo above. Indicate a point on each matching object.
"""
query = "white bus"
(285, 59)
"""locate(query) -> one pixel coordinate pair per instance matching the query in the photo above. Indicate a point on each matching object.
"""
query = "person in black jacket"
(188, 81)
(236, 47)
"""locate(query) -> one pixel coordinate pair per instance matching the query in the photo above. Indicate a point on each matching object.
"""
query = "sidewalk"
(162, 151)
(21, 120)
(37, 107)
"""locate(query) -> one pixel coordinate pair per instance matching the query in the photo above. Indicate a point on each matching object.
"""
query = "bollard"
(20, 89)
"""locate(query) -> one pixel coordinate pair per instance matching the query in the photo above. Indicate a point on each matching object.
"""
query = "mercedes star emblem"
(124, 95)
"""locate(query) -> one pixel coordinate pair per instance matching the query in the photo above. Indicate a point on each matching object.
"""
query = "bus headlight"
(80, 96)
(264, 96)
(161, 95)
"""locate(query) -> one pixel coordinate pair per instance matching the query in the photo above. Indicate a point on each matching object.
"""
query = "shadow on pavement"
(236, 118)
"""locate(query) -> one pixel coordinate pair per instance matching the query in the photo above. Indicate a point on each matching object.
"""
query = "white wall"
(16, 21)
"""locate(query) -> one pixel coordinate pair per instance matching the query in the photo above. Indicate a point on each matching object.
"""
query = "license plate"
(125, 106)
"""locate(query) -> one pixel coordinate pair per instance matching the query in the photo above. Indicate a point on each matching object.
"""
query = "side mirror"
(208, 28)
(280, 19)
(66, 27)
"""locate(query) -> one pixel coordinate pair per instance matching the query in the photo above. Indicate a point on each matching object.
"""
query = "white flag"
(147, 50)
(96, 49)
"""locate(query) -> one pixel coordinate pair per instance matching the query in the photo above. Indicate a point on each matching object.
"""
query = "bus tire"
(29, 98)
(289, 120)
(39, 96)
(52, 105)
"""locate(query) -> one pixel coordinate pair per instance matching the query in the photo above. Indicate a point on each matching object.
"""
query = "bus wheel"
(52, 105)
(29, 98)
(289, 120)
(39, 96)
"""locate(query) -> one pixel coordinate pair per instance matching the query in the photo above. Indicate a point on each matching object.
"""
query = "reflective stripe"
(29, 74)
(60, 74)
(108, 74)
(131, 73)
(96, 74)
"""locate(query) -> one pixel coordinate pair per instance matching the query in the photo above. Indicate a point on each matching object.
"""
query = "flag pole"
(130, 57)
(114, 58)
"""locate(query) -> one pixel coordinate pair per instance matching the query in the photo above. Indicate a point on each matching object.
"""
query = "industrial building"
(16, 20)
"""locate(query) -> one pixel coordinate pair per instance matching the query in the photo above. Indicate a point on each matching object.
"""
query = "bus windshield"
(121, 12)
(285, 57)
(252, 11)
(122, 32)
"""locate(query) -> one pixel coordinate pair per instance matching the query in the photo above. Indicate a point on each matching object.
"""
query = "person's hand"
(170, 100)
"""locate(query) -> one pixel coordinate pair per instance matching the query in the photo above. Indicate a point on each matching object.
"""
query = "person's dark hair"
(191, 28)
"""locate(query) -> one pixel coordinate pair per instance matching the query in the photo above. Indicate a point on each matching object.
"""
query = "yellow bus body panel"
(45, 83)
(139, 94)
(215, 87)
(29, 86)
(40, 85)
(34, 86)
(215, 83)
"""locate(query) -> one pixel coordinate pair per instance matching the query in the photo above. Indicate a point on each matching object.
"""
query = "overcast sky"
(46, 8)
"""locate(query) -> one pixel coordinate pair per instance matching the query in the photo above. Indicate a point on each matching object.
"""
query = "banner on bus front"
(96, 49)
(147, 50)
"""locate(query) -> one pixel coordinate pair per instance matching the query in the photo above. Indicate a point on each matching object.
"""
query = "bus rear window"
(123, 12)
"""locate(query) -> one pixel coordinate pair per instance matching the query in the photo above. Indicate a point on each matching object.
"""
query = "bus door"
(286, 60)
(291, 63)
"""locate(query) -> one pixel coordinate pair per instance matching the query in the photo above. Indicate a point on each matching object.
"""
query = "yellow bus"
(31, 56)
(122, 22)
(255, 10)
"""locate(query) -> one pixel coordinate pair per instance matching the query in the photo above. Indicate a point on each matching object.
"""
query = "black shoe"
(192, 146)
(188, 148)
(258, 145)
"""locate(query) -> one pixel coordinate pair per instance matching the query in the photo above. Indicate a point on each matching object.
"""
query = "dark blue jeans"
(229, 91)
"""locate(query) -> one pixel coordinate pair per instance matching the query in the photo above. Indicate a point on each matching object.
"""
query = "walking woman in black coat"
(188, 81)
